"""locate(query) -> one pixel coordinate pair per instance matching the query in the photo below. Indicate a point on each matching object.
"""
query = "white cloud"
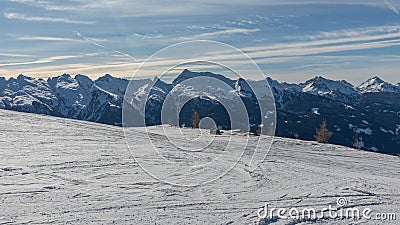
(227, 31)
(43, 38)
(49, 59)
(148, 36)
(293, 52)
(138, 8)
(342, 40)
(20, 16)
(356, 32)
(14, 55)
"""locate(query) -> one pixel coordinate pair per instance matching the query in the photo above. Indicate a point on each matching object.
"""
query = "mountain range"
(365, 117)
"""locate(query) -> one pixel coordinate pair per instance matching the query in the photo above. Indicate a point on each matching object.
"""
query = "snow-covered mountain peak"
(112, 84)
(377, 79)
(21, 82)
(317, 85)
(64, 81)
(322, 86)
(107, 78)
(376, 84)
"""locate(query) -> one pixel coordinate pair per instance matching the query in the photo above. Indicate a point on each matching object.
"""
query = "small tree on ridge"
(322, 134)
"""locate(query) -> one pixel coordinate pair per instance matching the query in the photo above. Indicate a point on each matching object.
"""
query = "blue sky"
(290, 40)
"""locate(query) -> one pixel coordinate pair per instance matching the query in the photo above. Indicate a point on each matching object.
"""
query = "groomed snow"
(62, 171)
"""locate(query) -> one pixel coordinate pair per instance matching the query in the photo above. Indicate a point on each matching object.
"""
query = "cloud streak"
(46, 5)
(19, 16)
(13, 55)
(49, 59)
(227, 31)
(44, 38)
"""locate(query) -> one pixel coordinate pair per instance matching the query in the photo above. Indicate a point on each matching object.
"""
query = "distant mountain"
(365, 117)
(376, 84)
(64, 96)
(335, 90)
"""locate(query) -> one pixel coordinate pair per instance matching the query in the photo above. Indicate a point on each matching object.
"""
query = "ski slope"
(62, 171)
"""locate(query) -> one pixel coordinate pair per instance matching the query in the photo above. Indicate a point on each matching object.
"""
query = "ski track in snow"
(55, 170)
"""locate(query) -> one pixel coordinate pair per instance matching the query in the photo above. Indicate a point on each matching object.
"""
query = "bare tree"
(195, 119)
(322, 134)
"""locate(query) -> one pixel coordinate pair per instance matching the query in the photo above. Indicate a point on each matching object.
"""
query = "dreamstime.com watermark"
(340, 211)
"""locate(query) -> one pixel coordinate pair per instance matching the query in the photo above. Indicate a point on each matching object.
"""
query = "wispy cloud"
(226, 31)
(148, 36)
(51, 6)
(14, 55)
(43, 38)
(355, 32)
(49, 59)
(19, 16)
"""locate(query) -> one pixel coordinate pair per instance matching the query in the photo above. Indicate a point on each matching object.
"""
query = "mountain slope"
(68, 171)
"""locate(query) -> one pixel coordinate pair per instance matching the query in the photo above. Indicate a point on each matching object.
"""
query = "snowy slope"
(59, 171)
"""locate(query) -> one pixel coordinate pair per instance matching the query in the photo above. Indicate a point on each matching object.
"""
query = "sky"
(290, 40)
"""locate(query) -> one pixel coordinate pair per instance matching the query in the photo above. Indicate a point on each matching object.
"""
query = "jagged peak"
(186, 74)
(375, 79)
(106, 76)
(83, 80)
(23, 77)
(372, 80)
(63, 77)
(81, 75)
(321, 79)
(110, 78)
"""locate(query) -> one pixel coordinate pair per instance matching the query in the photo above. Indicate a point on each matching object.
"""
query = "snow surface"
(61, 171)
